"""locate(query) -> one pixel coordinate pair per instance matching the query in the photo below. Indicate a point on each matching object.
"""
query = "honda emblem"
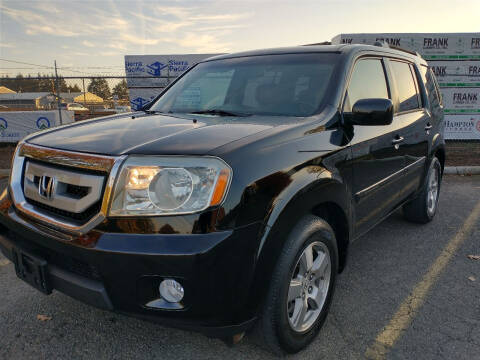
(46, 187)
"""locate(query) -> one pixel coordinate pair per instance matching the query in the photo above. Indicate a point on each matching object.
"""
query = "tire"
(275, 327)
(422, 209)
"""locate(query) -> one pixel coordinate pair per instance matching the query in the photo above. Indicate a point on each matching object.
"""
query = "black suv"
(229, 202)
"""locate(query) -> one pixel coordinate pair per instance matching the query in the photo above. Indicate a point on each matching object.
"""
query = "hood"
(149, 134)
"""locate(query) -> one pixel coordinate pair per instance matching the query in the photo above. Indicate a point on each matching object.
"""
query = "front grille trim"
(61, 199)
(50, 220)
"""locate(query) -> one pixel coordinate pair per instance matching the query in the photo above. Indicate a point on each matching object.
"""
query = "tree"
(40, 83)
(74, 88)
(121, 90)
(45, 84)
(99, 87)
(62, 84)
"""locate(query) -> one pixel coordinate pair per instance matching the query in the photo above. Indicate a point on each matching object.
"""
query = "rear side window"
(431, 86)
(367, 82)
(407, 90)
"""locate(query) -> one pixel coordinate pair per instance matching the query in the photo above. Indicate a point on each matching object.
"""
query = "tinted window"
(208, 91)
(407, 91)
(284, 85)
(367, 82)
(434, 96)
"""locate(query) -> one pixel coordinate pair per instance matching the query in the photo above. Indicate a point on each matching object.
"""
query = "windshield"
(282, 85)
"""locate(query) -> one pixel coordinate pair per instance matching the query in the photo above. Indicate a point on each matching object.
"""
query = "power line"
(42, 66)
(25, 63)
(93, 67)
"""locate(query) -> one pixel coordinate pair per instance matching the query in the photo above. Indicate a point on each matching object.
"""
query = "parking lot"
(409, 292)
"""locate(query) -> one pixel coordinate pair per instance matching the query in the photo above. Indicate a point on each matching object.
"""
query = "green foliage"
(99, 87)
(41, 83)
(121, 90)
(74, 88)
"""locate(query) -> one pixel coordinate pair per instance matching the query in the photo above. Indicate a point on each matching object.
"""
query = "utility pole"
(58, 94)
(84, 94)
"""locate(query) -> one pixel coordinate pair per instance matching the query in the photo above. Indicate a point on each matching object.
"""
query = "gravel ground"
(384, 267)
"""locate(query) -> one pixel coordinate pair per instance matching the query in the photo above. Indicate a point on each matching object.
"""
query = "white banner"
(455, 60)
(461, 99)
(456, 71)
(424, 43)
(465, 127)
(15, 125)
(150, 70)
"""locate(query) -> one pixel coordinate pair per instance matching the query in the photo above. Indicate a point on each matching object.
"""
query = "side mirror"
(371, 112)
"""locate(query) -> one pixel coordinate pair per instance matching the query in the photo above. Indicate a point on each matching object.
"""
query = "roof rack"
(387, 45)
(320, 43)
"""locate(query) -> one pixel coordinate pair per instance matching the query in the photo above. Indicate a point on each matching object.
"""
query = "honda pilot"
(229, 203)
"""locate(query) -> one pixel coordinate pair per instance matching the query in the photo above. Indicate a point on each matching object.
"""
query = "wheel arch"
(323, 195)
(335, 216)
(440, 154)
(438, 149)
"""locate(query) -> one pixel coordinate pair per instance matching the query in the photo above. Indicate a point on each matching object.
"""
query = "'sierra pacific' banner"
(148, 75)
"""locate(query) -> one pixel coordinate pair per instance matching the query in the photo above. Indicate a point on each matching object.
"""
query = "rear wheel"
(301, 288)
(422, 209)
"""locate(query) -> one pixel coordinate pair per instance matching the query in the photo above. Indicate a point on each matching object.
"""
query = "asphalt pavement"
(389, 267)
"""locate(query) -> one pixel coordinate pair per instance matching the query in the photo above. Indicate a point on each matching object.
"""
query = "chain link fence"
(87, 96)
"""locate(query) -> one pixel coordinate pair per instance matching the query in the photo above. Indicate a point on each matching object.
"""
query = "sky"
(92, 37)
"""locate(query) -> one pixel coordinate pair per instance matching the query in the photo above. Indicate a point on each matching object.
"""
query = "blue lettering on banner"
(138, 103)
(43, 123)
(3, 124)
(3, 133)
(177, 65)
(134, 66)
(156, 68)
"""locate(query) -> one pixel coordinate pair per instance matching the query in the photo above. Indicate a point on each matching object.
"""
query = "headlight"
(167, 185)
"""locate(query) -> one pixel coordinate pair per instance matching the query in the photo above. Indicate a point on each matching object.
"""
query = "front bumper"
(121, 272)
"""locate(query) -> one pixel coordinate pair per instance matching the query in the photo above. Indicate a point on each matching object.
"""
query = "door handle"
(428, 127)
(397, 140)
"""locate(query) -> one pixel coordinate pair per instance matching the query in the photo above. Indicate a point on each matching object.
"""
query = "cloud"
(33, 29)
(105, 21)
(203, 43)
(37, 24)
(161, 25)
(117, 45)
(216, 18)
(221, 27)
(88, 43)
(110, 28)
(80, 53)
(138, 40)
(109, 53)
(179, 12)
(47, 7)
(169, 27)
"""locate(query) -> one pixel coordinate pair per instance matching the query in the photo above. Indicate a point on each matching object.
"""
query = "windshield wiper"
(219, 112)
(148, 111)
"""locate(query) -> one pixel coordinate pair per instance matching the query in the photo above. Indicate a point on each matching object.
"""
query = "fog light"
(171, 290)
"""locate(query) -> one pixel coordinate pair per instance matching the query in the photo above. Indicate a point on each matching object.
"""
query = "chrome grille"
(66, 191)
(70, 190)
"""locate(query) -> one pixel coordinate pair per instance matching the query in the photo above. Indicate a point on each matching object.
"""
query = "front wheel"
(301, 288)
(422, 209)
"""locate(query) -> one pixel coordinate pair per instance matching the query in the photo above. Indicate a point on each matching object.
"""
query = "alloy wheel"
(432, 191)
(309, 286)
